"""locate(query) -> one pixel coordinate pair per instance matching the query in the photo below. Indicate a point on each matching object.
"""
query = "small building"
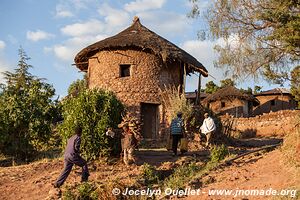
(274, 100)
(136, 64)
(192, 96)
(231, 101)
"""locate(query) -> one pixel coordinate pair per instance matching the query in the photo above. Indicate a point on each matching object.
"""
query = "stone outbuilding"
(231, 101)
(136, 64)
(192, 97)
(275, 100)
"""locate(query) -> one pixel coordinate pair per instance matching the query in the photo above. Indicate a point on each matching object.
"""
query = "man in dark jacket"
(71, 157)
(177, 131)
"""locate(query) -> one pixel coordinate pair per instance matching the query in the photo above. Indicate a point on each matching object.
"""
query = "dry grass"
(291, 148)
(291, 153)
(175, 102)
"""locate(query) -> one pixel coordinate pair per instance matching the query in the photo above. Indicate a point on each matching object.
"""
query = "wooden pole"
(184, 78)
(199, 90)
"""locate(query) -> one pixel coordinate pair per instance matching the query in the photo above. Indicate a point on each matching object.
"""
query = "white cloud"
(203, 51)
(4, 65)
(38, 35)
(114, 18)
(70, 8)
(68, 49)
(164, 22)
(2, 44)
(202, 5)
(90, 27)
(143, 5)
(63, 11)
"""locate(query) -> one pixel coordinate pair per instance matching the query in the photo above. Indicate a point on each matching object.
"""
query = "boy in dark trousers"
(177, 131)
(71, 157)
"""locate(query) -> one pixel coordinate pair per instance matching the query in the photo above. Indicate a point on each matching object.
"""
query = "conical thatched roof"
(138, 36)
(229, 93)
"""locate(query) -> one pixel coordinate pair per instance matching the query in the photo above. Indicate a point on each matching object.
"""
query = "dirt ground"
(259, 171)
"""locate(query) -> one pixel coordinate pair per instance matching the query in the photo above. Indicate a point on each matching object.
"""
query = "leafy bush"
(149, 174)
(218, 153)
(27, 111)
(94, 110)
(181, 176)
(77, 86)
(84, 191)
(87, 191)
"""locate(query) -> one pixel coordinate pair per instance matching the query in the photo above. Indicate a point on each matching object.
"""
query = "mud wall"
(271, 124)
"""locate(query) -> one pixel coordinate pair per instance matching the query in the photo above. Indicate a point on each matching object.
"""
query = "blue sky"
(52, 32)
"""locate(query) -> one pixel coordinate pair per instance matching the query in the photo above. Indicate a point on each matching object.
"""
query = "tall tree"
(257, 89)
(295, 84)
(211, 87)
(227, 82)
(261, 37)
(247, 91)
(26, 111)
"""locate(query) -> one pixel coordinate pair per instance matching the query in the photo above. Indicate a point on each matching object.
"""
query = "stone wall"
(272, 124)
(274, 103)
(148, 74)
(235, 107)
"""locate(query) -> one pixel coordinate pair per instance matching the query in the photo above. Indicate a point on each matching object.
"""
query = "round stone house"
(136, 64)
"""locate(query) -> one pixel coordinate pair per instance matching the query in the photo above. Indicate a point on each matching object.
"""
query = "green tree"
(211, 87)
(257, 89)
(78, 86)
(261, 37)
(227, 82)
(247, 91)
(26, 111)
(295, 84)
(95, 111)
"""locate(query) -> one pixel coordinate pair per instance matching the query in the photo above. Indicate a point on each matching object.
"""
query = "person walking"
(72, 157)
(208, 127)
(177, 131)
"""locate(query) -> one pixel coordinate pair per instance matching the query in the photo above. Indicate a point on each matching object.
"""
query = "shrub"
(149, 174)
(84, 191)
(94, 110)
(181, 176)
(175, 102)
(291, 148)
(218, 153)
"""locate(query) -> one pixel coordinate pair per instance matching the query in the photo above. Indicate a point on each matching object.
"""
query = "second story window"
(125, 70)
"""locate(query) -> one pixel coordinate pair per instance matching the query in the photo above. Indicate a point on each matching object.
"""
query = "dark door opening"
(150, 121)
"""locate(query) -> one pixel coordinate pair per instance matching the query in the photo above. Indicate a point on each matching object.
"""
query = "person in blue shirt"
(177, 131)
(72, 157)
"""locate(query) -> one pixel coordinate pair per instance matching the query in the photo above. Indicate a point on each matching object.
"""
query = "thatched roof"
(138, 36)
(193, 95)
(229, 93)
(275, 91)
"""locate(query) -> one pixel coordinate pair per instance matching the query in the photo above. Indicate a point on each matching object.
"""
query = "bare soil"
(259, 171)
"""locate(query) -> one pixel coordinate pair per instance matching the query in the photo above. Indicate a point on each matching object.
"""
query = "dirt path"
(33, 181)
(252, 173)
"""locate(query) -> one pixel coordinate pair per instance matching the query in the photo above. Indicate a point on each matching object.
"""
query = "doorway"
(150, 120)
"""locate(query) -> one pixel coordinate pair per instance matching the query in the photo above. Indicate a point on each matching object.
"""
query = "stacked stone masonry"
(271, 124)
(148, 74)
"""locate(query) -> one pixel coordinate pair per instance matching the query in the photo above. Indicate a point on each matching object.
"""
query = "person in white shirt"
(207, 128)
